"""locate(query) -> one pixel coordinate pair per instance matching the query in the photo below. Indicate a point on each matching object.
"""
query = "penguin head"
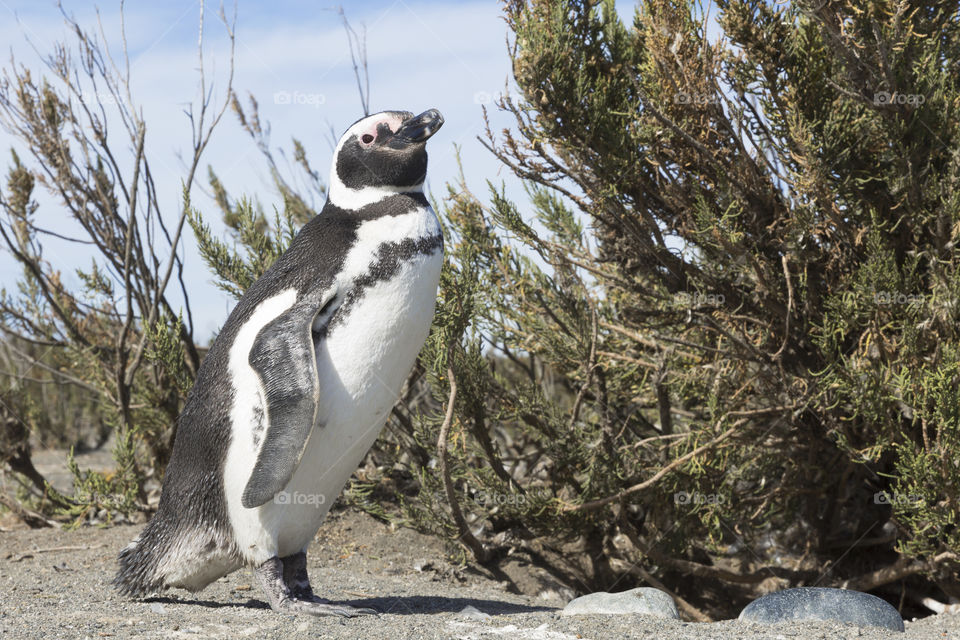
(381, 154)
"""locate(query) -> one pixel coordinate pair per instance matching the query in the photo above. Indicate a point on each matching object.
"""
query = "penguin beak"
(420, 128)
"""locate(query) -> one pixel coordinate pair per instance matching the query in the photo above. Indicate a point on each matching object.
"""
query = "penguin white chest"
(389, 283)
(369, 350)
(372, 344)
(389, 280)
(386, 290)
(361, 364)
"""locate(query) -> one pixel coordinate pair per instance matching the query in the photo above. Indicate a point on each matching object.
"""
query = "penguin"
(301, 379)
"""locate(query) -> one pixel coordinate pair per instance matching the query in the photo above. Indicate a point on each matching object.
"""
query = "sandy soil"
(55, 584)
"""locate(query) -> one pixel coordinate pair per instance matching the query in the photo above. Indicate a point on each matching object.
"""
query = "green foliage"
(725, 316)
(928, 479)
(80, 360)
(262, 245)
(103, 494)
(167, 352)
(261, 242)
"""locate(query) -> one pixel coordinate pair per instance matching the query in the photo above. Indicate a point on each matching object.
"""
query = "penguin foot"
(296, 578)
(285, 583)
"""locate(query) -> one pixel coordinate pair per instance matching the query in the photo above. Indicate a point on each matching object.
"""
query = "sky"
(292, 56)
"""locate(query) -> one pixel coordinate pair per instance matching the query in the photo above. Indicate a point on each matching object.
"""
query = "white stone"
(643, 600)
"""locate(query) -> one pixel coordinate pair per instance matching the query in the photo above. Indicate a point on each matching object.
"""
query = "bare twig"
(900, 569)
(466, 536)
(786, 322)
(30, 517)
(358, 50)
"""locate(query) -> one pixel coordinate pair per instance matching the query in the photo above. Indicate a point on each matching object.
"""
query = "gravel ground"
(55, 584)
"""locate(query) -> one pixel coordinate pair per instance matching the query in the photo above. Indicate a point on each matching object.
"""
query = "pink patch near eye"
(369, 132)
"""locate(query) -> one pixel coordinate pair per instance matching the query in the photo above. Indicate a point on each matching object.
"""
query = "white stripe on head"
(343, 196)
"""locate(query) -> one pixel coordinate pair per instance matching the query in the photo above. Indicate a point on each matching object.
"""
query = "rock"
(472, 612)
(156, 607)
(644, 601)
(817, 603)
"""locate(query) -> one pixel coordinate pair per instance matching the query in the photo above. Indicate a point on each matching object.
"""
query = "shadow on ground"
(400, 605)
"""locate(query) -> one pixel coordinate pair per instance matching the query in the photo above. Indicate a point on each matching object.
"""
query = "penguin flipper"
(283, 357)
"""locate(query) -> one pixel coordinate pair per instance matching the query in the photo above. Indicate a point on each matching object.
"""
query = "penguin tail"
(167, 555)
(138, 575)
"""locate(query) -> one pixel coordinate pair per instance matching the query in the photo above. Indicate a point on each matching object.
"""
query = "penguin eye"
(366, 138)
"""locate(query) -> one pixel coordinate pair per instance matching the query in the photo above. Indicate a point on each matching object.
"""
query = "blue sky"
(293, 57)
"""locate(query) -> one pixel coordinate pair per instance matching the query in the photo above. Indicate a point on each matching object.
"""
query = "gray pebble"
(643, 600)
(817, 603)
